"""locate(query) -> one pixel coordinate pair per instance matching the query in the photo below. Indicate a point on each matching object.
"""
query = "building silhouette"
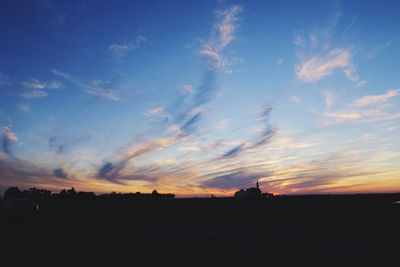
(249, 193)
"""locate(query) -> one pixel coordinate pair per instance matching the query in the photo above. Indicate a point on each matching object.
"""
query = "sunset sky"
(200, 97)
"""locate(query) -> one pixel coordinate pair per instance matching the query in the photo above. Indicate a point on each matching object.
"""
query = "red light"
(37, 207)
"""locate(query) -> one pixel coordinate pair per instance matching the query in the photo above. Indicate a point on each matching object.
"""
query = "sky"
(200, 97)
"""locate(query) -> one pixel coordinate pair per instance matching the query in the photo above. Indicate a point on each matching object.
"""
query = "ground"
(283, 230)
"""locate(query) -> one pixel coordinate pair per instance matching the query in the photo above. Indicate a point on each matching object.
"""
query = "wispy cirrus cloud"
(329, 98)
(295, 99)
(29, 174)
(8, 136)
(234, 151)
(62, 74)
(186, 116)
(315, 177)
(330, 170)
(34, 94)
(222, 36)
(368, 115)
(378, 49)
(96, 87)
(158, 111)
(186, 89)
(319, 57)
(38, 88)
(38, 85)
(60, 173)
(222, 124)
(265, 136)
(277, 173)
(189, 148)
(186, 125)
(104, 93)
(316, 67)
(112, 171)
(201, 147)
(24, 108)
(120, 51)
(234, 180)
(375, 99)
(365, 109)
(361, 83)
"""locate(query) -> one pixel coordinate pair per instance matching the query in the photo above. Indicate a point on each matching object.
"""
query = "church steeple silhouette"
(257, 185)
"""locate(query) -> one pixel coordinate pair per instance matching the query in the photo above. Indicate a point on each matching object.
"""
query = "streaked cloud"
(120, 51)
(29, 174)
(36, 84)
(174, 128)
(375, 99)
(185, 119)
(329, 98)
(95, 87)
(393, 128)
(8, 136)
(359, 116)
(265, 136)
(369, 108)
(112, 171)
(62, 74)
(34, 94)
(318, 55)
(234, 181)
(284, 141)
(317, 67)
(189, 148)
(361, 83)
(24, 107)
(60, 173)
(378, 49)
(295, 99)
(222, 124)
(104, 93)
(268, 130)
(222, 36)
(186, 89)
(158, 111)
(234, 151)
(38, 88)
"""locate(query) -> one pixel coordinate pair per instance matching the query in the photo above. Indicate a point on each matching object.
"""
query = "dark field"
(281, 230)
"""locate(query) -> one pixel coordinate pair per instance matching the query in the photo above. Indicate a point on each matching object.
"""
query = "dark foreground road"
(205, 232)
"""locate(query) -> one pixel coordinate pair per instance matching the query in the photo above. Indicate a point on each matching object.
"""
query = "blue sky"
(200, 97)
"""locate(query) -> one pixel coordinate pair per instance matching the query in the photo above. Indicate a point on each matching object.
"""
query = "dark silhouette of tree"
(39, 195)
(12, 192)
(63, 193)
(71, 192)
